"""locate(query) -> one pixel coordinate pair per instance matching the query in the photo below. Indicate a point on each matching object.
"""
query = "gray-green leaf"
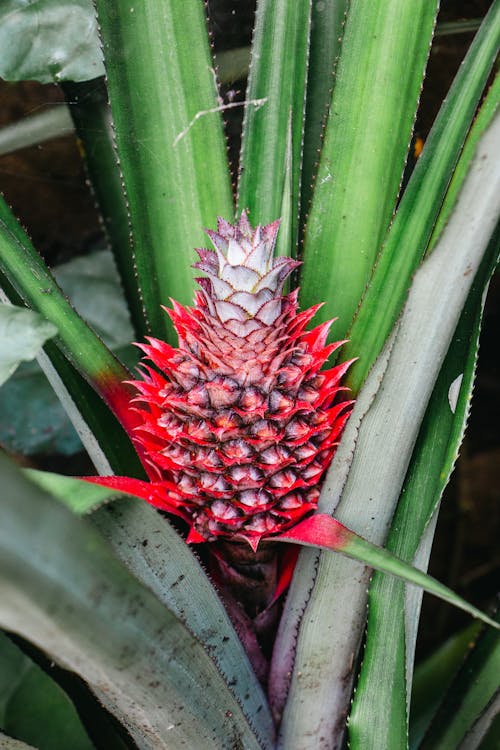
(49, 40)
(22, 335)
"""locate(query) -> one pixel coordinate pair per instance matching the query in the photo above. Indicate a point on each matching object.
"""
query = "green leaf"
(375, 450)
(275, 103)
(325, 532)
(22, 335)
(58, 576)
(79, 496)
(170, 141)
(378, 80)
(409, 234)
(471, 702)
(31, 280)
(432, 678)
(89, 107)
(389, 646)
(40, 713)
(13, 665)
(143, 540)
(49, 40)
(327, 29)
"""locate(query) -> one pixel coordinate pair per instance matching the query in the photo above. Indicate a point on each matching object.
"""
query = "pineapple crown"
(243, 284)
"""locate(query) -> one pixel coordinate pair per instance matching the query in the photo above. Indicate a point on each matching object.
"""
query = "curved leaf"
(22, 335)
(472, 700)
(332, 623)
(49, 40)
(389, 648)
(143, 540)
(27, 713)
(138, 658)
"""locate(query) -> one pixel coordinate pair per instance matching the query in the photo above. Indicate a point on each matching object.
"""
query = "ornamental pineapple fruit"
(240, 423)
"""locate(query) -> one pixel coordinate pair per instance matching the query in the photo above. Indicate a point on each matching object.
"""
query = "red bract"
(239, 423)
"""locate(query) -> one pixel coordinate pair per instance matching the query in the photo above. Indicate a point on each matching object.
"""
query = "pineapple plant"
(243, 424)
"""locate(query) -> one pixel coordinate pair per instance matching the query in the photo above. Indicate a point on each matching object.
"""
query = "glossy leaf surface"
(49, 40)
(169, 137)
(363, 155)
(271, 150)
(409, 235)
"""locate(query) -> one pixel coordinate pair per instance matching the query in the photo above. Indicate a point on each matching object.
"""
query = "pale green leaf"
(331, 625)
(49, 40)
(22, 335)
(59, 577)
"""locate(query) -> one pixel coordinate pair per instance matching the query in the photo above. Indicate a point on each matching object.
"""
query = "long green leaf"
(327, 29)
(409, 234)
(59, 577)
(472, 701)
(89, 108)
(378, 452)
(169, 138)
(387, 648)
(379, 75)
(32, 281)
(271, 152)
(143, 540)
(325, 532)
(432, 678)
(40, 713)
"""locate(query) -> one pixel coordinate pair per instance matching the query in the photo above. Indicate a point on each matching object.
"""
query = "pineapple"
(239, 423)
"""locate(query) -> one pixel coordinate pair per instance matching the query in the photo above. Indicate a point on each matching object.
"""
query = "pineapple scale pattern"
(240, 422)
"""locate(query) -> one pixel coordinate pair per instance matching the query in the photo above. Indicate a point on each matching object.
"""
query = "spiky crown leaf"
(239, 423)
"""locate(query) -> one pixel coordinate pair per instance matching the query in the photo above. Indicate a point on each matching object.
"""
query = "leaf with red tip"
(321, 530)
(155, 493)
